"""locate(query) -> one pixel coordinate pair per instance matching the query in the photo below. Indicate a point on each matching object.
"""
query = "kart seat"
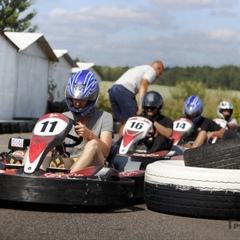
(113, 152)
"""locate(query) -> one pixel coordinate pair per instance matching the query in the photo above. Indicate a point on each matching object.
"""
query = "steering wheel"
(152, 132)
(77, 141)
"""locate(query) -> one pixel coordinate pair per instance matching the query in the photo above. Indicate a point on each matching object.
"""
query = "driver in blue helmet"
(206, 128)
(94, 126)
(152, 105)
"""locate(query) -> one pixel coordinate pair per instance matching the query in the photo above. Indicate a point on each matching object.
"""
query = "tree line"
(224, 77)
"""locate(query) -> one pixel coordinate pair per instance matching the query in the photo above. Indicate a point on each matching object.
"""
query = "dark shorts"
(123, 102)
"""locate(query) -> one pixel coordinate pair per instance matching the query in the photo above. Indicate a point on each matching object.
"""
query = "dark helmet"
(152, 99)
(84, 86)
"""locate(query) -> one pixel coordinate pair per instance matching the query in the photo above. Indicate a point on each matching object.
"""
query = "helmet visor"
(79, 92)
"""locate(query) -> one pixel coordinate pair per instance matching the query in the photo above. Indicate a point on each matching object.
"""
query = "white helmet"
(225, 105)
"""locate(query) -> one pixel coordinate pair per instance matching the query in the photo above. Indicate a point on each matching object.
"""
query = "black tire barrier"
(5, 127)
(229, 134)
(224, 154)
(16, 127)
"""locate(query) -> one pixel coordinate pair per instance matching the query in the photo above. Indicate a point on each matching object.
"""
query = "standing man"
(123, 93)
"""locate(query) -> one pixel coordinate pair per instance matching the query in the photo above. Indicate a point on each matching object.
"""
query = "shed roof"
(82, 65)
(85, 65)
(24, 39)
(7, 39)
(64, 53)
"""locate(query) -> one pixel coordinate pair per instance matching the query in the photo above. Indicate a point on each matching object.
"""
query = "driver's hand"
(210, 135)
(149, 118)
(82, 131)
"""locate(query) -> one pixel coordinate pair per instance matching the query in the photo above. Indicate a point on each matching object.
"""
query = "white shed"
(8, 54)
(33, 63)
(60, 72)
(87, 66)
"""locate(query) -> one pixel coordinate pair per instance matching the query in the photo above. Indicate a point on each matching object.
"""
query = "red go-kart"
(25, 181)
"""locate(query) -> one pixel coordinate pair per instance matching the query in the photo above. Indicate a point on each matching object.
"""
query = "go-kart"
(26, 175)
(133, 153)
(132, 158)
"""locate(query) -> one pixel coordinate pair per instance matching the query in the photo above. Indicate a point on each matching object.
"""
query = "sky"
(134, 32)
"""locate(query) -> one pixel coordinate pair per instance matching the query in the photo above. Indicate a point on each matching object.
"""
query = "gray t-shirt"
(100, 121)
(132, 78)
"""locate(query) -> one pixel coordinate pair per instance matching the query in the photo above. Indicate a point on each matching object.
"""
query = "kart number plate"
(49, 127)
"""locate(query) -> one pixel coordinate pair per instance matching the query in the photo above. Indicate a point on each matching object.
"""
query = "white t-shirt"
(132, 78)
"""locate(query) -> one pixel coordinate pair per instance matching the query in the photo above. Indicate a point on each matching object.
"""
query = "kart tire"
(172, 188)
(67, 192)
(224, 154)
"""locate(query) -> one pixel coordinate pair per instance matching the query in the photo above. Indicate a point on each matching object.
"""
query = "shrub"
(104, 103)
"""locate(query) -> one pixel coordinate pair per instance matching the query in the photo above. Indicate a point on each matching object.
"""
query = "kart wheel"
(67, 191)
(172, 188)
(224, 154)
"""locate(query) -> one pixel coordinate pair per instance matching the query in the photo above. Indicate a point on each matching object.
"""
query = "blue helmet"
(193, 105)
(84, 86)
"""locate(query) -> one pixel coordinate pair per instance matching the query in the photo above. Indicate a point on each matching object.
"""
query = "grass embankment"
(173, 107)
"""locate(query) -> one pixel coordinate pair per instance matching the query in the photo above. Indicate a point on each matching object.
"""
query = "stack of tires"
(205, 184)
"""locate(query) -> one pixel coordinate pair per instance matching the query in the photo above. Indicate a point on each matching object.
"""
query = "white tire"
(171, 187)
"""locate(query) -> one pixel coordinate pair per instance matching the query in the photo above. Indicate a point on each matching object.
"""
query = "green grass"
(165, 91)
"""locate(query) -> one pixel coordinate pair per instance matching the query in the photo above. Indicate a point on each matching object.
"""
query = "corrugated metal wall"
(7, 78)
(32, 83)
(60, 74)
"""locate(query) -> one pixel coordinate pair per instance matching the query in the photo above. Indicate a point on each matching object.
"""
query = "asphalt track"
(31, 222)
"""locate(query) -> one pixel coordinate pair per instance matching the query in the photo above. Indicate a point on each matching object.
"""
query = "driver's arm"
(105, 140)
(218, 133)
(232, 126)
(200, 140)
(165, 132)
